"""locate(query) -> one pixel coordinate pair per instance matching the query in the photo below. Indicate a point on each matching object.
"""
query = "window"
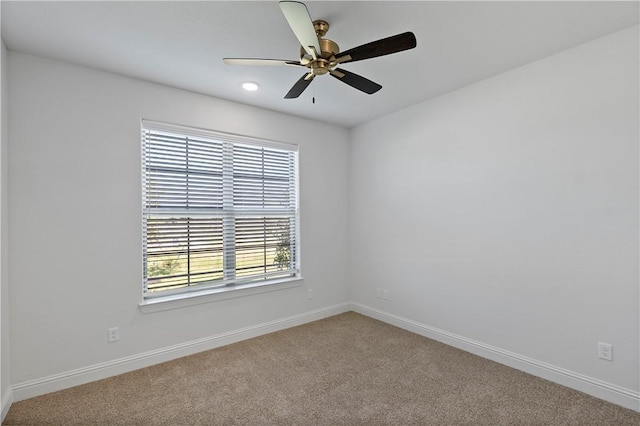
(219, 210)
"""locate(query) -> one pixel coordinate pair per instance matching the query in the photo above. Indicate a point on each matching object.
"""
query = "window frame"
(217, 289)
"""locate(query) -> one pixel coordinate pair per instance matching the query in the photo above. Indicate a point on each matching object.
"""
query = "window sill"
(214, 295)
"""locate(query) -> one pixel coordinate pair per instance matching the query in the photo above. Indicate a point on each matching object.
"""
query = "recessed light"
(250, 86)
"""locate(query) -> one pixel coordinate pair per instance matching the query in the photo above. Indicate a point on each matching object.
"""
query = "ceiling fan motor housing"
(328, 48)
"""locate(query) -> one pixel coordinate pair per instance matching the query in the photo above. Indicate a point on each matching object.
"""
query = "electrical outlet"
(309, 294)
(385, 294)
(605, 351)
(114, 334)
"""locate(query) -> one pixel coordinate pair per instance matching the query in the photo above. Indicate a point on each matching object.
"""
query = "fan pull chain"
(313, 98)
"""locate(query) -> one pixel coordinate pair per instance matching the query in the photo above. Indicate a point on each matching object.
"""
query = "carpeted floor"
(343, 370)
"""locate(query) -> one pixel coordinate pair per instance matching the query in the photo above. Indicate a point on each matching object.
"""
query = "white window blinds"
(218, 210)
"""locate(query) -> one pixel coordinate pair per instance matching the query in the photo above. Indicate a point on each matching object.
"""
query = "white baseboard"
(5, 402)
(598, 388)
(91, 373)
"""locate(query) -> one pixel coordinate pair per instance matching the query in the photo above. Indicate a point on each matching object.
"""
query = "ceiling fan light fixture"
(250, 86)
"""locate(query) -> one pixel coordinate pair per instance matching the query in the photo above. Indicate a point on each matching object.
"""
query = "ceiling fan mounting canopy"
(321, 27)
(321, 56)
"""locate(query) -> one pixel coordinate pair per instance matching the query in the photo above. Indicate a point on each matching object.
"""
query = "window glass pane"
(183, 172)
(183, 252)
(262, 177)
(263, 245)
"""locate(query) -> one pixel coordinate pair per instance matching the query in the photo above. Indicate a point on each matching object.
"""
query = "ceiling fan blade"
(300, 22)
(299, 87)
(356, 81)
(258, 61)
(385, 46)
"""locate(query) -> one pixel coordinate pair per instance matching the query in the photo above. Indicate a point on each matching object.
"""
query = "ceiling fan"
(321, 56)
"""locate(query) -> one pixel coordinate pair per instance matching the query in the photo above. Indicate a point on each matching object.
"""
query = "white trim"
(6, 401)
(216, 135)
(224, 285)
(227, 212)
(186, 298)
(67, 379)
(600, 389)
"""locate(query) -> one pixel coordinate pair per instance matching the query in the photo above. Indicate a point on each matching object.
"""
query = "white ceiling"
(182, 44)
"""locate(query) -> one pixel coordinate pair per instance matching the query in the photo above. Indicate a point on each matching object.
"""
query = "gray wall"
(506, 212)
(75, 210)
(5, 367)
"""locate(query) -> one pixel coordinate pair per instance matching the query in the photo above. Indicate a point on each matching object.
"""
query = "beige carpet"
(343, 370)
